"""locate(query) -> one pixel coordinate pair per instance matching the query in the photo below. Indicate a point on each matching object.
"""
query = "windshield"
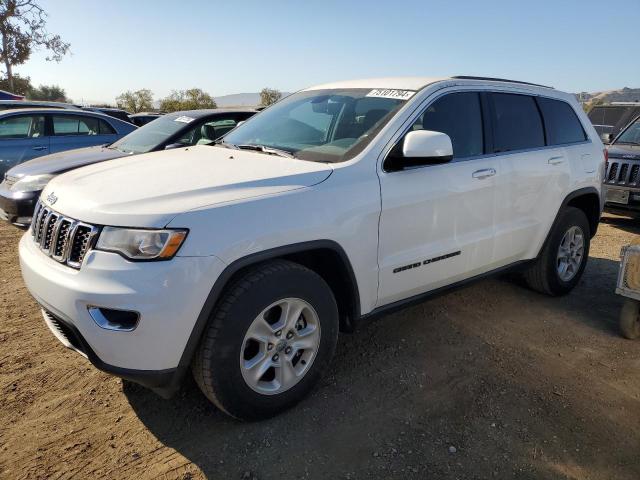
(149, 136)
(321, 125)
(631, 136)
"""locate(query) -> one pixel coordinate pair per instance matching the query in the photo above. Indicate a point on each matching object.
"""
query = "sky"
(245, 45)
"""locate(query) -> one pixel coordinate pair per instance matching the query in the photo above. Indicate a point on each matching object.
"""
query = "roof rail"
(491, 79)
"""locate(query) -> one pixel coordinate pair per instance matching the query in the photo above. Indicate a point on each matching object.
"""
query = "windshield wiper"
(267, 150)
(222, 143)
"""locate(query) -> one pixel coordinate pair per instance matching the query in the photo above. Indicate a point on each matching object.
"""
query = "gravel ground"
(492, 381)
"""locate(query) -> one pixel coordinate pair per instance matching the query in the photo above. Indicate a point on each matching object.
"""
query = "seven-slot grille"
(622, 172)
(62, 238)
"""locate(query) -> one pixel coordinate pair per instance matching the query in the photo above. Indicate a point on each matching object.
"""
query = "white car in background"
(343, 201)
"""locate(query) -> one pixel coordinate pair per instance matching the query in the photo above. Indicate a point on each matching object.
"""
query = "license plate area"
(617, 196)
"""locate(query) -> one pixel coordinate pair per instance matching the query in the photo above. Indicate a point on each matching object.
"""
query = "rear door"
(535, 175)
(71, 131)
(22, 137)
(437, 221)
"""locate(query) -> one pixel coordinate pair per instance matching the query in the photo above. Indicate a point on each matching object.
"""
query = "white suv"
(242, 261)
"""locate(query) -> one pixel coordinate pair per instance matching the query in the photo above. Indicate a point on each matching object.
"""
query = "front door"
(22, 137)
(437, 222)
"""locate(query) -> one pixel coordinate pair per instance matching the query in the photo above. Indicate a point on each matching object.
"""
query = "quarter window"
(77, 125)
(561, 122)
(26, 126)
(517, 122)
(459, 115)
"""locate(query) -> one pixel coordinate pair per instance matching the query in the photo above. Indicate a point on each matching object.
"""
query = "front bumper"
(631, 205)
(17, 207)
(169, 297)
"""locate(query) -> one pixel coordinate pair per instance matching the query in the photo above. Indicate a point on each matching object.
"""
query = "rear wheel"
(269, 340)
(630, 319)
(563, 259)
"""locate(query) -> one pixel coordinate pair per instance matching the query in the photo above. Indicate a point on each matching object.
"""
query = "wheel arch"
(586, 199)
(326, 257)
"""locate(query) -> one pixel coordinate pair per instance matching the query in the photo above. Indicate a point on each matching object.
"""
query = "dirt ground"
(492, 381)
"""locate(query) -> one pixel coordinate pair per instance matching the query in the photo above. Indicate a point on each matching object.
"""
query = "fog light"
(110, 319)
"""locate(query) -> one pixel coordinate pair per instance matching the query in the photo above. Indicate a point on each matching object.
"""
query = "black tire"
(630, 319)
(543, 275)
(216, 364)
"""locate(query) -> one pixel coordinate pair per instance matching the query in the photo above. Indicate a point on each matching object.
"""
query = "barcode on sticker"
(391, 93)
(184, 119)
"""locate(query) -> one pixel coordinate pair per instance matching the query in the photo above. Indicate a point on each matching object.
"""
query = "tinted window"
(27, 126)
(75, 125)
(105, 128)
(560, 121)
(151, 135)
(458, 115)
(517, 123)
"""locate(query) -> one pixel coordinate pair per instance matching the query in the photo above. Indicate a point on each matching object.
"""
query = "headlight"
(31, 183)
(137, 244)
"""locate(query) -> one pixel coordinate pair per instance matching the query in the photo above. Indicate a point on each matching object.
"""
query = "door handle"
(555, 160)
(484, 173)
(39, 148)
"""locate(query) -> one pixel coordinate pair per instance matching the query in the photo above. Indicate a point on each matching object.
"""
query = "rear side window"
(561, 122)
(517, 122)
(459, 115)
(27, 126)
(78, 125)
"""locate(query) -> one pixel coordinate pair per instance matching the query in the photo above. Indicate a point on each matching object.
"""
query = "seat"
(208, 134)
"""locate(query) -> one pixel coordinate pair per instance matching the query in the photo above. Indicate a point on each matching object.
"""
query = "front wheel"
(269, 340)
(563, 259)
(630, 319)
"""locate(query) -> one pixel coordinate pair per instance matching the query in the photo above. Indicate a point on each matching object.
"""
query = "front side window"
(459, 115)
(330, 125)
(207, 133)
(24, 126)
(561, 122)
(631, 136)
(517, 122)
(75, 125)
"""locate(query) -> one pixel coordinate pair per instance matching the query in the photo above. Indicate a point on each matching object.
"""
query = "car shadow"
(628, 224)
(402, 390)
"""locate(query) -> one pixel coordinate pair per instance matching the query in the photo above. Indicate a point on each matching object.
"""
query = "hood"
(627, 152)
(63, 161)
(148, 190)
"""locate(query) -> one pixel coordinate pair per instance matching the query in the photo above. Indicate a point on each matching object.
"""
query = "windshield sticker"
(390, 93)
(184, 119)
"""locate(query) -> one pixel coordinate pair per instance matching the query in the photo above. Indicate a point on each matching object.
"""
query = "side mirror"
(606, 137)
(420, 147)
(171, 146)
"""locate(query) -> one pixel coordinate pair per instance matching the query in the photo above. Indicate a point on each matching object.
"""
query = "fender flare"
(575, 194)
(253, 259)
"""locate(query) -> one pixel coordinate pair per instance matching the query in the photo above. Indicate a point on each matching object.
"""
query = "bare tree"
(23, 30)
(269, 96)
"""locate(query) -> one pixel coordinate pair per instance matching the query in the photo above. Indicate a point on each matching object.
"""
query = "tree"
(192, 99)
(134, 102)
(51, 93)
(22, 30)
(269, 96)
(21, 85)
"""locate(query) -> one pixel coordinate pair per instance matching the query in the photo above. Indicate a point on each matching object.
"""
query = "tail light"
(606, 155)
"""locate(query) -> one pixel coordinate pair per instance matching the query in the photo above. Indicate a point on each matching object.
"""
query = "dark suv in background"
(621, 187)
(609, 120)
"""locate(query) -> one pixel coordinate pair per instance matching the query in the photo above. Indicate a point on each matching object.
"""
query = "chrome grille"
(62, 238)
(621, 172)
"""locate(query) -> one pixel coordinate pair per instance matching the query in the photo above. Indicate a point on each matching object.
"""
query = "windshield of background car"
(149, 136)
(631, 135)
(322, 125)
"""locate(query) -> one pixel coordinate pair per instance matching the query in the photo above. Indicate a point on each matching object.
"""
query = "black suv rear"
(622, 177)
(609, 120)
